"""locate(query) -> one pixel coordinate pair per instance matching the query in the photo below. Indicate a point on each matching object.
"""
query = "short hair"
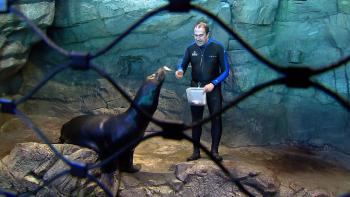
(202, 24)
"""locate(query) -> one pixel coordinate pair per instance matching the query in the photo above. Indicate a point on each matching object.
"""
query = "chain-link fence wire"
(292, 77)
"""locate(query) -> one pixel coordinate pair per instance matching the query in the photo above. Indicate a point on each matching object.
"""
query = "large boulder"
(31, 164)
(263, 171)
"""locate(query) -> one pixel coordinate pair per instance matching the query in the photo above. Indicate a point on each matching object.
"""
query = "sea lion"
(106, 134)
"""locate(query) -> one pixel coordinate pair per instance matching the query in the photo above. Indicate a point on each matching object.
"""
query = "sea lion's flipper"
(109, 167)
(61, 140)
(132, 169)
(126, 162)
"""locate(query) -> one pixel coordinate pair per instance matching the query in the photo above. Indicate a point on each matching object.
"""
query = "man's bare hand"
(179, 74)
(209, 87)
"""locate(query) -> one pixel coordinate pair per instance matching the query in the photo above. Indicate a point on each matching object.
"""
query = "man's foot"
(217, 156)
(131, 169)
(193, 157)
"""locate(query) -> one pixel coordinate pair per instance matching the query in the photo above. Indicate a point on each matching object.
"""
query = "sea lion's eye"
(152, 76)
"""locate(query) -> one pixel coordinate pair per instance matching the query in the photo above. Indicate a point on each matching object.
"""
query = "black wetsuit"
(209, 65)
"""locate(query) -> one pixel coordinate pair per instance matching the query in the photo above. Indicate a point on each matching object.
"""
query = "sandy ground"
(325, 170)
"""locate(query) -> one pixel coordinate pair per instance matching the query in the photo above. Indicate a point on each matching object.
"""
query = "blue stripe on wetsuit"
(223, 75)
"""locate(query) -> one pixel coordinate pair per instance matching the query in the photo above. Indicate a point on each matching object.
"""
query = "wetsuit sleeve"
(185, 61)
(224, 67)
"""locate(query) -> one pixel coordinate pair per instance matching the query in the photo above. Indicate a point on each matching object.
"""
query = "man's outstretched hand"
(179, 74)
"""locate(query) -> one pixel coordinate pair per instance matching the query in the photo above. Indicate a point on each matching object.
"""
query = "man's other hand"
(179, 74)
(209, 87)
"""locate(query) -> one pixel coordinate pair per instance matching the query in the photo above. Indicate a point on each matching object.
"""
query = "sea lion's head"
(148, 94)
(157, 78)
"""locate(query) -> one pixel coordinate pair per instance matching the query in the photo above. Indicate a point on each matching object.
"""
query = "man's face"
(200, 36)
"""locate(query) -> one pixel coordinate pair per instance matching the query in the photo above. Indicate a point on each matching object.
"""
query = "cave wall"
(289, 32)
(16, 40)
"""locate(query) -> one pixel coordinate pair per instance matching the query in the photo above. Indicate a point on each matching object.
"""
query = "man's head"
(201, 33)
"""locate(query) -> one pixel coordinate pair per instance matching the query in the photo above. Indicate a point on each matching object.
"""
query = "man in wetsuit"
(209, 68)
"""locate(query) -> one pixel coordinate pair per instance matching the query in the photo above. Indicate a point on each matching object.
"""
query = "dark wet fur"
(106, 134)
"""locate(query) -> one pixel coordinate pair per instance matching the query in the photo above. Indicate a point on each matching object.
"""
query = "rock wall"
(16, 40)
(291, 33)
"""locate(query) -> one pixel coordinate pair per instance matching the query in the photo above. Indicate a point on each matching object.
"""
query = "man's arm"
(224, 67)
(182, 67)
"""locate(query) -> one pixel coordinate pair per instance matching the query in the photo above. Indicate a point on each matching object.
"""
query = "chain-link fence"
(292, 77)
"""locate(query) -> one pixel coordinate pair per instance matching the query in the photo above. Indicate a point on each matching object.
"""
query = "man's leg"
(214, 105)
(197, 115)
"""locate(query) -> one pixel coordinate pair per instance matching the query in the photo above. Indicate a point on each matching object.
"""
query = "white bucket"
(196, 96)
